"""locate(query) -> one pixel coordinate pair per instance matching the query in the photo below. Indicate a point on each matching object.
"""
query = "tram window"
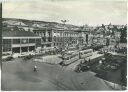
(67, 58)
(81, 53)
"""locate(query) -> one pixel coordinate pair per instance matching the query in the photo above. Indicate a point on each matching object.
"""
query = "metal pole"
(1, 34)
(20, 45)
(28, 45)
(114, 85)
(63, 21)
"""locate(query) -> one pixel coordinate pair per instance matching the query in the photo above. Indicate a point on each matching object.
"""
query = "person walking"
(35, 68)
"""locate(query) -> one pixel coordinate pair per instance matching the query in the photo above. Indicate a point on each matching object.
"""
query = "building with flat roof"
(19, 41)
(57, 37)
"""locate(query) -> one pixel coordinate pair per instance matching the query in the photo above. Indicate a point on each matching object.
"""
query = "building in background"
(46, 36)
(58, 35)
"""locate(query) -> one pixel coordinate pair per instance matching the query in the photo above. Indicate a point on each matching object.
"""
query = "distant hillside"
(104, 29)
(30, 23)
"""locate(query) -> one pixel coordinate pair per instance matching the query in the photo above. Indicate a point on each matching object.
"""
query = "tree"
(15, 28)
(123, 73)
(108, 57)
(123, 37)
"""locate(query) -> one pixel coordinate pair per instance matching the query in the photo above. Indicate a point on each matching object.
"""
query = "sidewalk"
(120, 54)
(114, 85)
(50, 59)
(95, 55)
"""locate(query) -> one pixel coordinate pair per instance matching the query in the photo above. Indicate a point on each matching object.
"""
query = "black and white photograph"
(63, 45)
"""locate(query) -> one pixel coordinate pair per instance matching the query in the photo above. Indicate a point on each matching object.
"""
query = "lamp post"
(57, 75)
(64, 21)
(1, 33)
(80, 37)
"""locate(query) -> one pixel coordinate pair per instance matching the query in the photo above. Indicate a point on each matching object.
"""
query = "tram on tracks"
(86, 53)
(73, 56)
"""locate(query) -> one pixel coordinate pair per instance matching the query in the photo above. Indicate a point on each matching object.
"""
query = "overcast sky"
(78, 12)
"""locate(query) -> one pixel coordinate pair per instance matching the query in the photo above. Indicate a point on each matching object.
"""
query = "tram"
(71, 57)
(86, 53)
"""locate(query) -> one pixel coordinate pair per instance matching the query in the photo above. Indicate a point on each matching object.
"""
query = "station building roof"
(17, 33)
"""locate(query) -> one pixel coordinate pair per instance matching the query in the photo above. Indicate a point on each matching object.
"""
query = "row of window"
(18, 41)
(57, 39)
(57, 44)
(6, 41)
(46, 45)
(65, 39)
(38, 42)
(18, 49)
(72, 56)
(74, 42)
(86, 52)
(6, 45)
(48, 39)
(67, 34)
(43, 34)
(6, 49)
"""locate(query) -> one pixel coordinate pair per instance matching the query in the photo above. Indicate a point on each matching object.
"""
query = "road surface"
(19, 76)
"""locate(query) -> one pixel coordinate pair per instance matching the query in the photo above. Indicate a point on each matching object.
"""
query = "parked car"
(32, 53)
(4, 56)
(38, 59)
(100, 52)
(16, 55)
(112, 66)
(115, 66)
(8, 58)
(82, 68)
(27, 57)
(85, 68)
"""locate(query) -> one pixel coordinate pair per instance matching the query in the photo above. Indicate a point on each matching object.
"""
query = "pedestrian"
(84, 60)
(35, 68)
(89, 60)
(100, 62)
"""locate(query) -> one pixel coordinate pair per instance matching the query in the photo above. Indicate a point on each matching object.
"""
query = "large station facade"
(18, 41)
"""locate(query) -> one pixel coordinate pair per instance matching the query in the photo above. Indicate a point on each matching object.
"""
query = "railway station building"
(19, 41)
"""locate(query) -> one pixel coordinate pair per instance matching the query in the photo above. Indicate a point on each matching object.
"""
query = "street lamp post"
(1, 32)
(80, 37)
(63, 21)
(57, 75)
